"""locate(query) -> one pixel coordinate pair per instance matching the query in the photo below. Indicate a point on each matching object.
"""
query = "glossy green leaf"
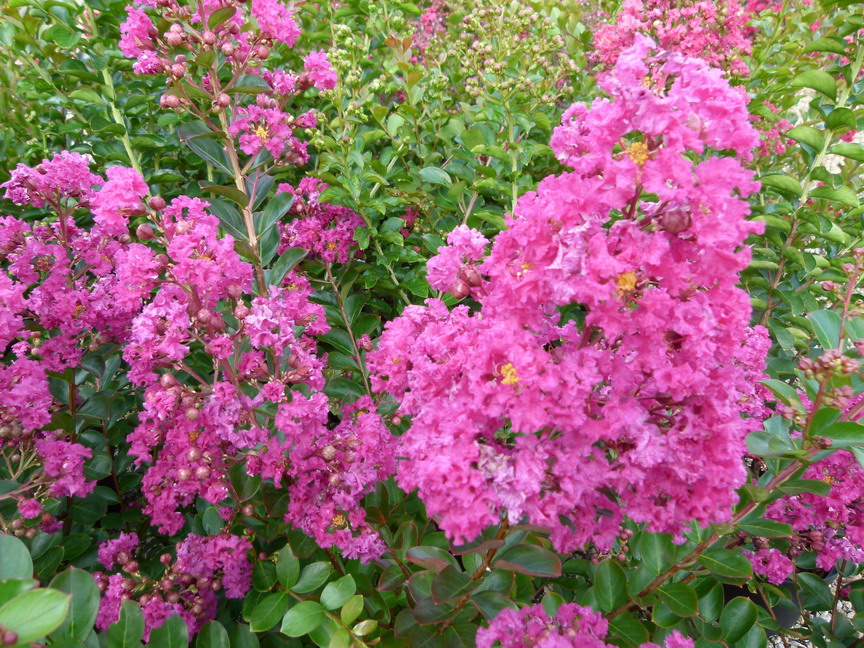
(287, 567)
(171, 634)
(737, 618)
(15, 561)
(269, 611)
(727, 564)
(84, 604)
(680, 598)
(312, 577)
(816, 80)
(302, 619)
(35, 614)
(212, 635)
(129, 629)
(610, 585)
(337, 592)
(529, 559)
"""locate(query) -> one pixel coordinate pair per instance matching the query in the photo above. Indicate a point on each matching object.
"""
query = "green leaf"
(785, 393)
(711, 603)
(220, 16)
(436, 175)
(841, 194)
(844, 434)
(302, 619)
(490, 603)
(35, 614)
(433, 558)
(9, 589)
(15, 561)
(727, 564)
(268, 612)
(232, 193)
(276, 208)
(84, 605)
(631, 632)
(840, 118)
(816, 80)
(450, 583)
(782, 183)
(312, 577)
(680, 598)
(212, 635)
(87, 96)
(737, 618)
(833, 45)
(798, 486)
(529, 559)
(826, 325)
(171, 634)
(654, 547)
(287, 567)
(243, 637)
(807, 135)
(610, 585)
(337, 592)
(198, 137)
(352, 609)
(286, 262)
(767, 529)
(849, 150)
(129, 629)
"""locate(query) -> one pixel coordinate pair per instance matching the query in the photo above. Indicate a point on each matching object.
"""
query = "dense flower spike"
(572, 626)
(713, 31)
(573, 418)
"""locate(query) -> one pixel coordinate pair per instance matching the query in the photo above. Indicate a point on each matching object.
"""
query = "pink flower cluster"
(572, 626)
(263, 125)
(706, 29)
(326, 230)
(58, 299)
(607, 369)
(204, 565)
(262, 357)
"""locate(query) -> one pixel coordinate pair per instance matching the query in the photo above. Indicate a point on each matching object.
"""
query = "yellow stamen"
(508, 374)
(331, 245)
(638, 152)
(626, 282)
(338, 521)
(262, 133)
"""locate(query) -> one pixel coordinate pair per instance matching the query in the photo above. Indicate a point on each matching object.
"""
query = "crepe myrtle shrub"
(210, 434)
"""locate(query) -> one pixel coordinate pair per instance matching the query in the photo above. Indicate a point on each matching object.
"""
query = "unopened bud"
(144, 232)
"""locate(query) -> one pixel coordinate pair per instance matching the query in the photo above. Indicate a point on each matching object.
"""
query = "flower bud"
(178, 70)
(202, 472)
(184, 474)
(191, 414)
(223, 100)
(167, 380)
(209, 38)
(460, 289)
(144, 232)
(472, 276)
(228, 49)
(248, 510)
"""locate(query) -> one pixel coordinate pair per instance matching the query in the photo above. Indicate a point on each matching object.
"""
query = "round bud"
(191, 414)
(166, 584)
(248, 510)
(167, 380)
(194, 454)
(183, 474)
(209, 38)
(202, 472)
(228, 49)
(144, 232)
(460, 289)
(262, 52)
(165, 558)
(235, 291)
(223, 100)
(178, 70)
(131, 566)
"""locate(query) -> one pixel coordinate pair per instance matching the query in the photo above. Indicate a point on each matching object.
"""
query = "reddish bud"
(144, 232)
(460, 289)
